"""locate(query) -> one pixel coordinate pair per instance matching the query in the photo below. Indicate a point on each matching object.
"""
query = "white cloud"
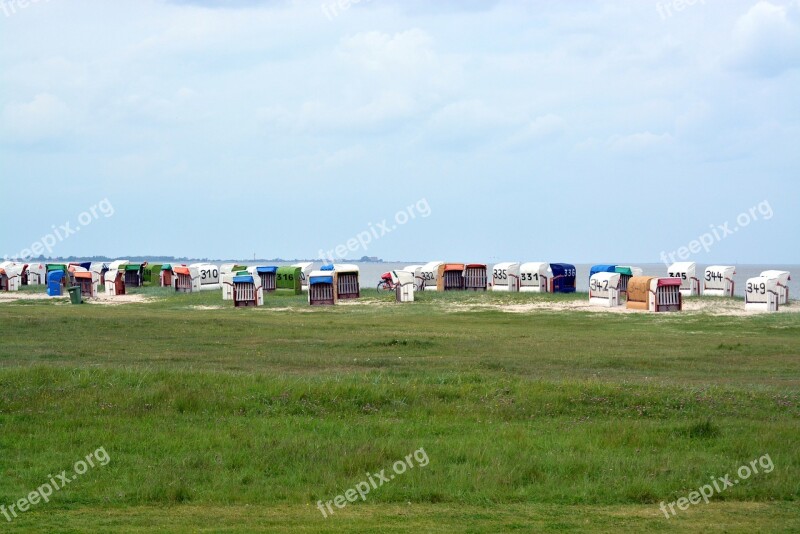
(402, 61)
(768, 39)
(45, 117)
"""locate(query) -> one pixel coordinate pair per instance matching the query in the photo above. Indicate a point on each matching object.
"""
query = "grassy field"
(217, 419)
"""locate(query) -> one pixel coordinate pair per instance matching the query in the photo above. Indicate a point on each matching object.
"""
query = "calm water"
(371, 273)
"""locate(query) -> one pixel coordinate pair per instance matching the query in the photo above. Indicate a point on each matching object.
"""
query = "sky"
(580, 131)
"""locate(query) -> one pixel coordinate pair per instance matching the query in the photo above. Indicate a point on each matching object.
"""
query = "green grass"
(241, 419)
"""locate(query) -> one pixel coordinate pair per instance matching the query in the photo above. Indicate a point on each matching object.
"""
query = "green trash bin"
(75, 294)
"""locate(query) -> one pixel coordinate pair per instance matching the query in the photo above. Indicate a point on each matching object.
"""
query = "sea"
(371, 272)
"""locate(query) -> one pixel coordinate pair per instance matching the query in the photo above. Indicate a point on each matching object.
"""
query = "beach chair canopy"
(688, 267)
(782, 276)
(562, 269)
(602, 268)
(402, 277)
(320, 277)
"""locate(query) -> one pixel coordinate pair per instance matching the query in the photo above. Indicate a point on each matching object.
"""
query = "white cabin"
(114, 281)
(209, 276)
(505, 277)
(404, 285)
(783, 284)
(718, 281)
(762, 293)
(37, 274)
(11, 276)
(534, 277)
(604, 290)
(428, 276)
(687, 272)
(227, 285)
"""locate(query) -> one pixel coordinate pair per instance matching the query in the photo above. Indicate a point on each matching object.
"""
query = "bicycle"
(386, 283)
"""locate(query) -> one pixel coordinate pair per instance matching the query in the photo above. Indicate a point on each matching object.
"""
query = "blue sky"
(537, 131)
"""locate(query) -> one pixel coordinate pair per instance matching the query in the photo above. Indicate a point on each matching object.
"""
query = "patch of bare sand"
(11, 296)
(345, 302)
(722, 307)
(730, 307)
(107, 300)
(364, 302)
(304, 309)
(536, 306)
(102, 298)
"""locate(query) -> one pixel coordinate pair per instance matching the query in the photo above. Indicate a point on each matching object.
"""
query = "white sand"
(11, 296)
(106, 300)
(723, 306)
(102, 298)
